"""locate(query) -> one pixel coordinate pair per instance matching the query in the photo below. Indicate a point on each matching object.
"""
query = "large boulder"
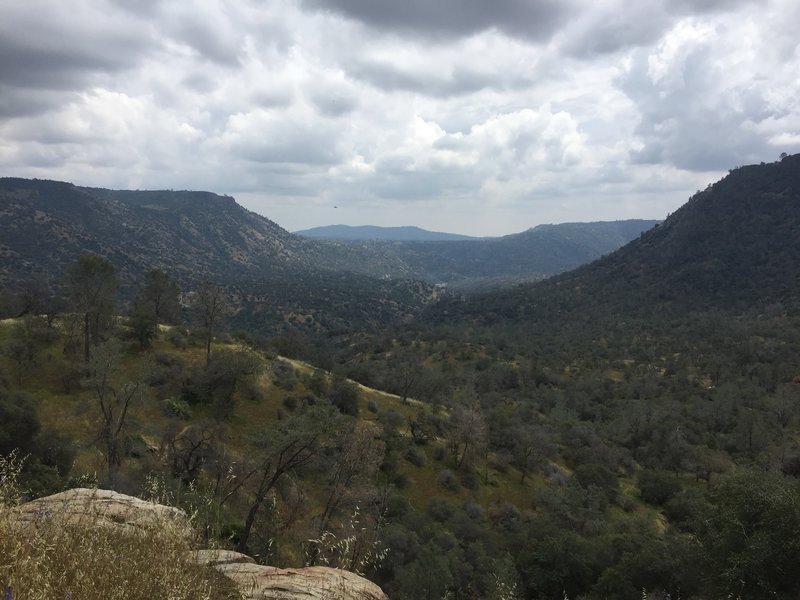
(100, 507)
(258, 582)
(255, 582)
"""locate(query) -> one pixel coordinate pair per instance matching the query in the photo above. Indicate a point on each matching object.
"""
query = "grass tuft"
(58, 556)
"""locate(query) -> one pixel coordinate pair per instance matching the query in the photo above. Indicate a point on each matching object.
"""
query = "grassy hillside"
(415, 464)
(624, 430)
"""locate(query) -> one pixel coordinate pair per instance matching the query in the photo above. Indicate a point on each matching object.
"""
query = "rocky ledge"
(255, 582)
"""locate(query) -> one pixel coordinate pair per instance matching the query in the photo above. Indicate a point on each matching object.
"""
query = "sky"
(469, 116)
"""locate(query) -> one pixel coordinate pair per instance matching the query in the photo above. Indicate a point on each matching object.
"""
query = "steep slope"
(45, 225)
(372, 232)
(532, 254)
(188, 233)
(733, 246)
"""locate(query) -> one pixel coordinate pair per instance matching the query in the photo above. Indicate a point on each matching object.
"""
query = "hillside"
(733, 246)
(373, 232)
(668, 370)
(277, 279)
(639, 423)
(196, 434)
(193, 235)
(471, 264)
(533, 254)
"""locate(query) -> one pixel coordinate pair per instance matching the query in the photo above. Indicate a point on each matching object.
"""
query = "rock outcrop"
(255, 582)
(103, 507)
(259, 582)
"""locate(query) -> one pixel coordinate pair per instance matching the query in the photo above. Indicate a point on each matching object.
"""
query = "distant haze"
(372, 232)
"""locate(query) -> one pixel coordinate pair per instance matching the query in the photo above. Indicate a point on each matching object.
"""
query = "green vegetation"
(630, 426)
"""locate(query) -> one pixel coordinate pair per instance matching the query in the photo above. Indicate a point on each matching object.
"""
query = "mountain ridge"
(732, 246)
(192, 234)
(409, 233)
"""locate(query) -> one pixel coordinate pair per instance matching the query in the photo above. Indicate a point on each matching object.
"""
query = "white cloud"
(454, 116)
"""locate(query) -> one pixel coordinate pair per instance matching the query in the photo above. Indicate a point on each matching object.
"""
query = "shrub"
(415, 456)
(500, 462)
(56, 449)
(178, 408)
(135, 446)
(344, 396)
(470, 480)
(177, 338)
(19, 422)
(448, 480)
(439, 510)
(400, 480)
(474, 510)
(160, 376)
(162, 358)
(658, 487)
(283, 375)
(596, 475)
(255, 392)
(372, 406)
(290, 403)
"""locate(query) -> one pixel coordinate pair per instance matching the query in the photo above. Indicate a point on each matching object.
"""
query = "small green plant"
(176, 407)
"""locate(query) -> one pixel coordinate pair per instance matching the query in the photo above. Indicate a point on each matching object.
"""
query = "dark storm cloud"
(289, 151)
(290, 143)
(16, 102)
(703, 6)
(392, 182)
(613, 28)
(200, 82)
(145, 8)
(391, 77)
(615, 25)
(530, 19)
(209, 40)
(45, 58)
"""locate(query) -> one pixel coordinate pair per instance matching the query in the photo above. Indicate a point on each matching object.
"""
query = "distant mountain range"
(531, 255)
(373, 232)
(275, 277)
(481, 263)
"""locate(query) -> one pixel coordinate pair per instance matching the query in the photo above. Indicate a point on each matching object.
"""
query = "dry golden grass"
(57, 557)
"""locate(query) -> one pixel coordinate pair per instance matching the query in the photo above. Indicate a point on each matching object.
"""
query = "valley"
(627, 425)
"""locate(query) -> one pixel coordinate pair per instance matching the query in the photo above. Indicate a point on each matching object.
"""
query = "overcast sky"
(471, 116)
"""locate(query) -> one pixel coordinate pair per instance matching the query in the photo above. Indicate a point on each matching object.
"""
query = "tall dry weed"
(61, 556)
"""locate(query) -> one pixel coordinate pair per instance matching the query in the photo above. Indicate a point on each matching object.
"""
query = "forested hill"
(46, 223)
(372, 232)
(273, 275)
(733, 246)
(538, 252)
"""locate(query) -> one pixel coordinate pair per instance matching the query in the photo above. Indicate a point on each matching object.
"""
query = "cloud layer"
(460, 115)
